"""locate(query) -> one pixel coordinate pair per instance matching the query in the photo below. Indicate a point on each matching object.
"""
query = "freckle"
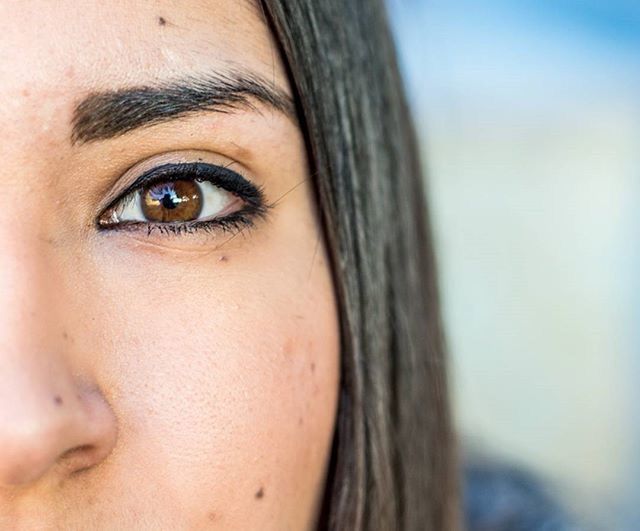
(65, 335)
(58, 400)
(26, 93)
(260, 494)
(162, 21)
(300, 421)
(213, 517)
(224, 259)
(287, 348)
(313, 367)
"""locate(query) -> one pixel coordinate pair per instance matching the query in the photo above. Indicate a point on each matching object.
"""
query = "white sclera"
(214, 201)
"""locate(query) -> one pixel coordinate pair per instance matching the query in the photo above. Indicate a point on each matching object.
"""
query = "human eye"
(184, 197)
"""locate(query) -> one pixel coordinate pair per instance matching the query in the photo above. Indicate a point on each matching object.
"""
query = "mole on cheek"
(260, 493)
(58, 400)
(162, 21)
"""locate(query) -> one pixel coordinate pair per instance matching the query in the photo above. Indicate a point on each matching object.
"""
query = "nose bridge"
(30, 356)
(29, 286)
(35, 147)
(33, 367)
(29, 317)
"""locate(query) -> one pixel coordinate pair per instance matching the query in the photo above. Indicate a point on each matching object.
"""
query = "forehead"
(58, 45)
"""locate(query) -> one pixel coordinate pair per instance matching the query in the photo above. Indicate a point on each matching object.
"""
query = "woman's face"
(168, 334)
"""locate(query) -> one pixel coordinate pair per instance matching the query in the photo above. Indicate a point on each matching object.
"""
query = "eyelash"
(254, 207)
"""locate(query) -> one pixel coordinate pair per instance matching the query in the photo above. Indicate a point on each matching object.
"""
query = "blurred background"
(529, 119)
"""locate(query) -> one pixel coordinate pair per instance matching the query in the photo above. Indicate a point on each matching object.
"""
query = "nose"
(54, 419)
(50, 426)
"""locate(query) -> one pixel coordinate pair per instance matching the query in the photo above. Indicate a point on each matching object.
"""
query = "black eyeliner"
(220, 176)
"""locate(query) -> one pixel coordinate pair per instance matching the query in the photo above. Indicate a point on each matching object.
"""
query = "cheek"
(224, 377)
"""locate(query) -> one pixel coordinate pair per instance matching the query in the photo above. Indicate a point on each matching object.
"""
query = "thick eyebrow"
(108, 114)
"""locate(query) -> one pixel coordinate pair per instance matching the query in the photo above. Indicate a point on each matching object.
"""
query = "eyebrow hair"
(108, 114)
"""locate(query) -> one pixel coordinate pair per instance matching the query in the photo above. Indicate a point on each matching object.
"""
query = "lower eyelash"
(232, 224)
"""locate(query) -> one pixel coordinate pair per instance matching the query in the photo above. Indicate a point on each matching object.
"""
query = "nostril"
(78, 459)
(53, 434)
(85, 448)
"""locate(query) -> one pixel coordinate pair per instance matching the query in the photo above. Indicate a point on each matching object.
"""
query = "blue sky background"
(504, 45)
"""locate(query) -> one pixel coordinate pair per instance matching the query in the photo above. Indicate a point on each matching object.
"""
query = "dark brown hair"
(392, 465)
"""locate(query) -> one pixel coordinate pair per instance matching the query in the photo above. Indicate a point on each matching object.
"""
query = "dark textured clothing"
(503, 498)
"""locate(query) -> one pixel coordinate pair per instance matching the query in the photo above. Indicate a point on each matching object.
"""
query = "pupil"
(176, 201)
(170, 201)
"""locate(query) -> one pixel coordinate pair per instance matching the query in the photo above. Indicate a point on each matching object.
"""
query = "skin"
(154, 381)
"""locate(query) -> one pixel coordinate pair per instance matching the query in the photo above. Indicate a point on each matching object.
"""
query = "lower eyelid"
(230, 223)
(229, 226)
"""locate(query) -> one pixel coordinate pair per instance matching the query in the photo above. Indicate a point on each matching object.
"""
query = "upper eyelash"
(220, 176)
(223, 177)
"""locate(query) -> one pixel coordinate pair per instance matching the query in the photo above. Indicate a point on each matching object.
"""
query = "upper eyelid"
(151, 175)
(121, 192)
(176, 171)
(235, 182)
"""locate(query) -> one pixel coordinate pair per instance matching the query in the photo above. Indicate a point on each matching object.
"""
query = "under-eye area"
(183, 198)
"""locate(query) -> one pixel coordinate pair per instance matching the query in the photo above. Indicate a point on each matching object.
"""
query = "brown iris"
(172, 201)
